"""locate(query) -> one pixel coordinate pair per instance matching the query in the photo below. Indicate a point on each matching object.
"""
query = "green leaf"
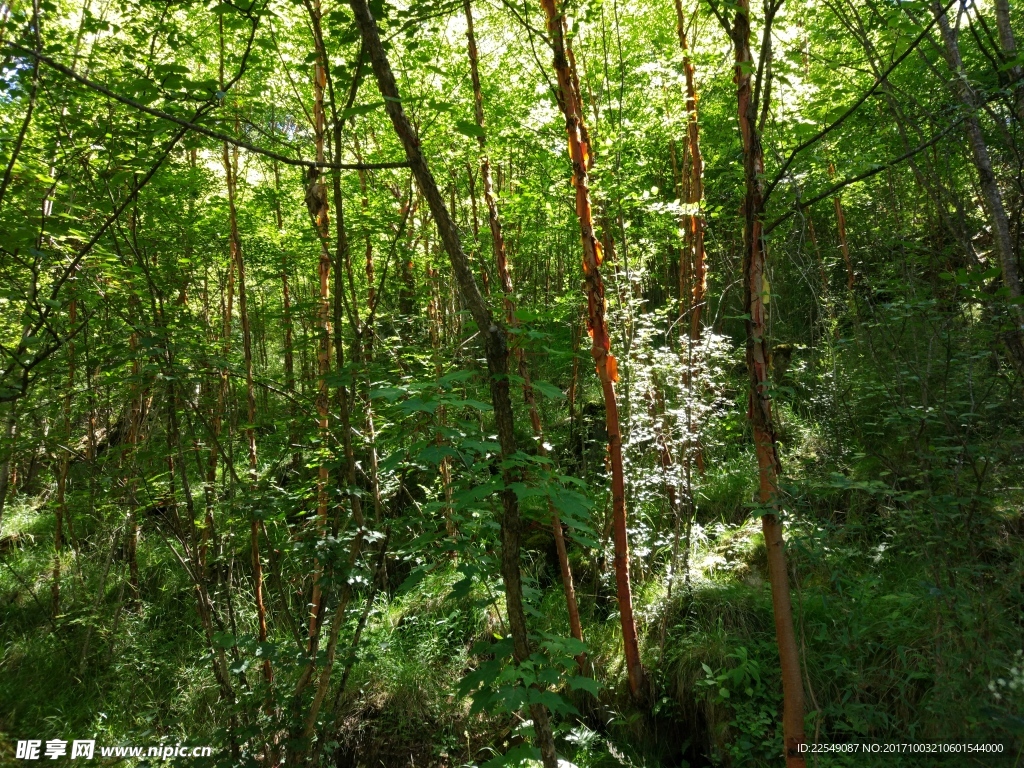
(391, 394)
(362, 109)
(581, 683)
(414, 578)
(418, 405)
(467, 128)
(435, 454)
(224, 640)
(518, 755)
(474, 404)
(549, 391)
(557, 704)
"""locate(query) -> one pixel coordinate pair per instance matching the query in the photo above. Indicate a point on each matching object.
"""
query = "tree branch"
(856, 105)
(192, 126)
(865, 174)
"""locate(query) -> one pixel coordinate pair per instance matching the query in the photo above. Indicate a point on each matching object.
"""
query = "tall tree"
(1008, 43)
(755, 297)
(495, 348)
(62, 512)
(694, 188)
(317, 205)
(230, 161)
(505, 277)
(604, 360)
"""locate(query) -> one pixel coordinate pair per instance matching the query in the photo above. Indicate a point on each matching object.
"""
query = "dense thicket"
(451, 382)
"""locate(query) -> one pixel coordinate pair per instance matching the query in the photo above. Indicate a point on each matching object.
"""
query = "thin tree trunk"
(844, 246)
(607, 367)
(760, 407)
(223, 383)
(434, 320)
(204, 604)
(289, 340)
(930, 182)
(695, 182)
(217, 425)
(235, 242)
(496, 350)
(685, 253)
(134, 425)
(484, 278)
(7, 446)
(61, 511)
(367, 342)
(695, 255)
(407, 290)
(316, 202)
(371, 287)
(505, 277)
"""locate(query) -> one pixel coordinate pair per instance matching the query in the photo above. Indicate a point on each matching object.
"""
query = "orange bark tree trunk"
(604, 361)
(695, 259)
(760, 407)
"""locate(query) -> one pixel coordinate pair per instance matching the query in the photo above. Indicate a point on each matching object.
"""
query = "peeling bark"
(760, 407)
(604, 361)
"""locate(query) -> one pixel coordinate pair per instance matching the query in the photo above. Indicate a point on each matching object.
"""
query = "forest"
(556, 383)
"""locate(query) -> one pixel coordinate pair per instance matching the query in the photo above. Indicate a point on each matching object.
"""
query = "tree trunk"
(505, 277)
(760, 407)
(316, 202)
(61, 511)
(685, 254)
(844, 246)
(366, 340)
(223, 383)
(607, 367)
(693, 257)
(235, 242)
(289, 342)
(134, 425)
(217, 425)
(495, 346)
(7, 446)
(695, 183)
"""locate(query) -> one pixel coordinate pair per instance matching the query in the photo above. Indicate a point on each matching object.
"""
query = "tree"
(604, 360)
(755, 299)
(495, 347)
